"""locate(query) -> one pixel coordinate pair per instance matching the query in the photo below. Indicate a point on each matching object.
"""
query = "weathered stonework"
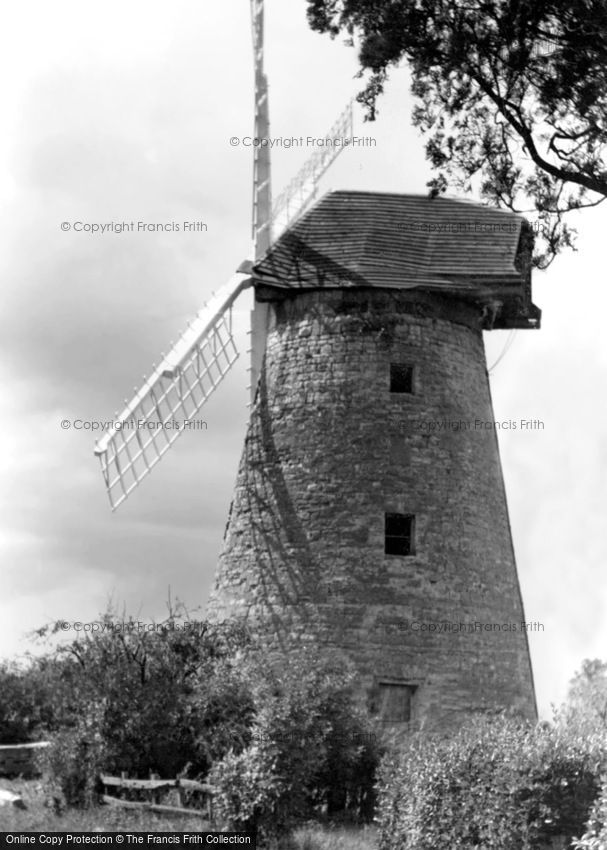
(329, 451)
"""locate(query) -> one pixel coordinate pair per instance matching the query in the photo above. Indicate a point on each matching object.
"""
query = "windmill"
(197, 363)
(369, 513)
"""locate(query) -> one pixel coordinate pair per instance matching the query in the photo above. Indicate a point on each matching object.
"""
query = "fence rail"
(20, 759)
(155, 787)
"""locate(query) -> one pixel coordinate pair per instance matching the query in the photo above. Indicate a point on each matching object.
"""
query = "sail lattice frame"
(301, 190)
(164, 407)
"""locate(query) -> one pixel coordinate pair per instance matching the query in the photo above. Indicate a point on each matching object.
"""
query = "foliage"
(283, 738)
(72, 763)
(312, 749)
(586, 705)
(166, 697)
(595, 836)
(585, 714)
(24, 702)
(511, 94)
(495, 784)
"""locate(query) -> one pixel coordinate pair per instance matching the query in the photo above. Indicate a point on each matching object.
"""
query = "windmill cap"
(458, 248)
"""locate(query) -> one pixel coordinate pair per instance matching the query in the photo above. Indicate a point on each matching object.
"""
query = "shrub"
(24, 702)
(495, 784)
(312, 749)
(72, 763)
(248, 791)
(164, 699)
(595, 836)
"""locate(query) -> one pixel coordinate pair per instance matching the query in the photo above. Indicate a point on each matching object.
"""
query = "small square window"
(401, 378)
(394, 702)
(399, 531)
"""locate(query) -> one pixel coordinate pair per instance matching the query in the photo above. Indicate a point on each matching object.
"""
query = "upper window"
(399, 531)
(401, 378)
(395, 700)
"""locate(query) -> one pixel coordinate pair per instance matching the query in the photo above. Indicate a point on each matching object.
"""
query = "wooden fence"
(20, 759)
(156, 789)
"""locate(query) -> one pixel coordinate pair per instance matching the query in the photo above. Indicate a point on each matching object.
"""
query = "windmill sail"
(161, 410)
(262, 187)
(154, 418)
(301, 191)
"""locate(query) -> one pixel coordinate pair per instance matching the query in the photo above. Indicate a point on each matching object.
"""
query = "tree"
(586, 705)
(512, 95)
(164, 696)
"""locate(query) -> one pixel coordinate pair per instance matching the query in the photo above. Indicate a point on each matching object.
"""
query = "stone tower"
(370, 512)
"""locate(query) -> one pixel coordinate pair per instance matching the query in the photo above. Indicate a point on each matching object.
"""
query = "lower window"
(394, 702)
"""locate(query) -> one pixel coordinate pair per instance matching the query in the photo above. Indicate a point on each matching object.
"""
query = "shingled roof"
(408, 242)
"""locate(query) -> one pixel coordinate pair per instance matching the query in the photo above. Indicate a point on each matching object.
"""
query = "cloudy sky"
(124, 112)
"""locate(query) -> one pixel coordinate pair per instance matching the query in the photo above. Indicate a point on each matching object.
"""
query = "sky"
(124, 112)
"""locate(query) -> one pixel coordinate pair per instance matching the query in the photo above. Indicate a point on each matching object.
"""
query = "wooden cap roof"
(394, 241)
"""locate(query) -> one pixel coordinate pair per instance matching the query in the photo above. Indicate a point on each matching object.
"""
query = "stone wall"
(329, 451)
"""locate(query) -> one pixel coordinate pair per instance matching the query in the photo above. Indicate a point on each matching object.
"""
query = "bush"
(495, 784)
(24, 702)
(72, 763)
(312, 750)
(165, 699)
(595, 836)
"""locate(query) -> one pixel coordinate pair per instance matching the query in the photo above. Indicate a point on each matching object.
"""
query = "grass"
(315, 837)
(37, 817)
